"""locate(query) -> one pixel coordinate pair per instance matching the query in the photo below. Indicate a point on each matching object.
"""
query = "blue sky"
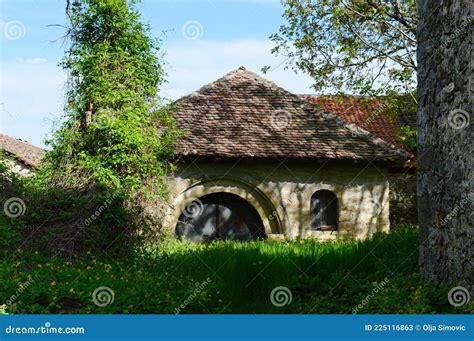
(204, 40)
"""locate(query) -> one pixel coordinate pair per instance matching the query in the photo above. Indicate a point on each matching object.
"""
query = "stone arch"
(220, 216)
(256, 198)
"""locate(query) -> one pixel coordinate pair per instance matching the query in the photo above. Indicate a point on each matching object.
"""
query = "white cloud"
(196, 63)
(32, 61)
(32, 90)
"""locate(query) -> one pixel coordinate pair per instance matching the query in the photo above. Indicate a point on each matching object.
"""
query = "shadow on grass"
(248, 272)
(374, 276)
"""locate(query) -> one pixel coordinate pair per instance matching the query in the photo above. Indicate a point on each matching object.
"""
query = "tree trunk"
(445, 141)
(87, 118)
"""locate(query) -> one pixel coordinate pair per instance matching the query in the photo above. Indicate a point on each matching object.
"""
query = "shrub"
(66, 221)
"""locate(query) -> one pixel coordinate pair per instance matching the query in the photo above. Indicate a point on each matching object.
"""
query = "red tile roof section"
(367, 114)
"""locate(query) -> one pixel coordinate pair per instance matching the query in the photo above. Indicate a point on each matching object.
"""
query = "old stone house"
(371, 114)
(260, 162)
(20, 156)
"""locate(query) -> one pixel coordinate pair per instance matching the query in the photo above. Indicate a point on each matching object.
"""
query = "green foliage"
(408, 136)
(114, 133)
(403, 108)
(333, 277)
(351, 46)
(63, 222)
(110, 155)
(10, 233)
(365, 47)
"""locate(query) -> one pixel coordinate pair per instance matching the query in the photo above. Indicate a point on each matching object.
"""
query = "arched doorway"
(219, 216)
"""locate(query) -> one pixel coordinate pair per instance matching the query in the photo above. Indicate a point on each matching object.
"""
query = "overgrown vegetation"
(59, 221)
(109, 157)
(232, 277)
(114, 133)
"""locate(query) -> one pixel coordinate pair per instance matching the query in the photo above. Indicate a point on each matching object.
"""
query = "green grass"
(333, 277)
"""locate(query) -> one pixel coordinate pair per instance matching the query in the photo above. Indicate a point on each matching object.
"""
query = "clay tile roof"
(366, 113)
(23, 151)
(245, 115)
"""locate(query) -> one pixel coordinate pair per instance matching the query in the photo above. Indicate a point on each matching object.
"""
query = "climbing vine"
(115, 131)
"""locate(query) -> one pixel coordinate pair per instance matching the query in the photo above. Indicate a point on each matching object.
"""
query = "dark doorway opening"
(220, 216)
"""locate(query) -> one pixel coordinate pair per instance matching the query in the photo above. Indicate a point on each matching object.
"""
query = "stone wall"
(281, 194)
(403, 199)
(445, 140)
(18, 167)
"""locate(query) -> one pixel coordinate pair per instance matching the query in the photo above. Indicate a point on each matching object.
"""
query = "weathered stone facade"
(281, 194)
(445, 148)
(258, 161)
(18, 167)
(403, 199)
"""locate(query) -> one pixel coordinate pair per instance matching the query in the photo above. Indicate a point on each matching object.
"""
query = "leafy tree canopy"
(351, 45)
(363, 47)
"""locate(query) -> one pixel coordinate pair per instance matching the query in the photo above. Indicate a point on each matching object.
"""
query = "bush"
(63, 222)
(10, 230)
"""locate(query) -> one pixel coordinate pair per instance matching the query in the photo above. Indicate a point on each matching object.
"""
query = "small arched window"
(324, 211)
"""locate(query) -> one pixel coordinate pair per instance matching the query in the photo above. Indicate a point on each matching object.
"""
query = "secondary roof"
(23, 151)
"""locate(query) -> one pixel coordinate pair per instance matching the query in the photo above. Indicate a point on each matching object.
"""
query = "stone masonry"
(281, 194)
(446, 153)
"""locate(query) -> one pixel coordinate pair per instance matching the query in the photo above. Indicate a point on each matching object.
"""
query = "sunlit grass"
(232, 277)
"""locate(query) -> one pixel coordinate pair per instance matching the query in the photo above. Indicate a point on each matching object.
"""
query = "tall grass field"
(375, 276)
